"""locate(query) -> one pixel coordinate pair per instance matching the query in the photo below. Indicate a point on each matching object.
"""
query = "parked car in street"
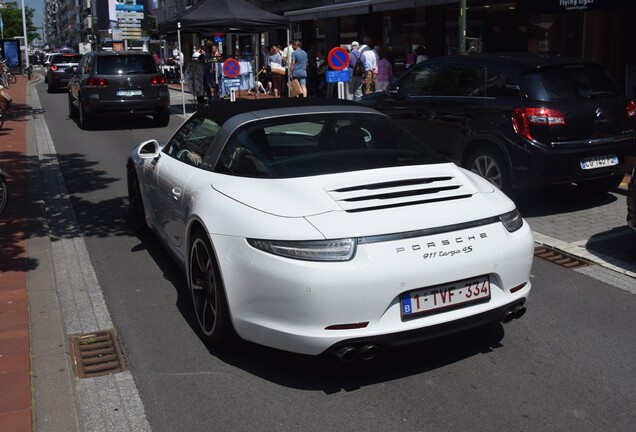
(631, 201)
(118, 83)
(321, 226)
(521, 121)
(59, 70)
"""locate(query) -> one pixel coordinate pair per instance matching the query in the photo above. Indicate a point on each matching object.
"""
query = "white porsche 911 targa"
(319, 226)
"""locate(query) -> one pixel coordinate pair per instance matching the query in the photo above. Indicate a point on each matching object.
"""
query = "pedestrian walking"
(385, 72)
(368, 81)
(298, 67)
(357, 70)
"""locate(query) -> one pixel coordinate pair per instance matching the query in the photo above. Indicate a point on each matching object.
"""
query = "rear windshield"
(572, 83)
(126, 65)
(306, 145)
(66, 58)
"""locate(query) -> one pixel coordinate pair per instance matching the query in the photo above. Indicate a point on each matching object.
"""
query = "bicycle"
(28, 71)
(6, 77)
(4, 191)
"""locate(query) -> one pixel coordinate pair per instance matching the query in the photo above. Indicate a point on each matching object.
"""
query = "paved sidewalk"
(38, 388)
(15, 377)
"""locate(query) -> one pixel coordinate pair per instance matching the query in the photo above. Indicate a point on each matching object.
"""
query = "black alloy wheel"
(491, 165)
(85, 119)
(208, 294)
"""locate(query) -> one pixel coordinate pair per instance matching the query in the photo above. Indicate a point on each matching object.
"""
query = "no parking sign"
(231, 68)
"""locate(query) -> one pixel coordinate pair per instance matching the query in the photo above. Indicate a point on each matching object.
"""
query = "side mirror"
(149, 149)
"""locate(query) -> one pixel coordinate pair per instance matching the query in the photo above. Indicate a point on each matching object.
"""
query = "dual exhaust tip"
(514, 312)
(347, 354)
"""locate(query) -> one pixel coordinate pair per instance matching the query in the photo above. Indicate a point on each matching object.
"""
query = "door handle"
(176, 193)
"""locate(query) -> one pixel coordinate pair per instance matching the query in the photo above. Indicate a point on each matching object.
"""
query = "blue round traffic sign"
(338, 58)
(231, 68)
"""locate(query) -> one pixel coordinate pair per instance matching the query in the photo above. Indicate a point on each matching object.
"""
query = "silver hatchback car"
(118, 83)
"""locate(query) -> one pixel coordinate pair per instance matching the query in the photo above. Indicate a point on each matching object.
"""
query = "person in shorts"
(299, 66)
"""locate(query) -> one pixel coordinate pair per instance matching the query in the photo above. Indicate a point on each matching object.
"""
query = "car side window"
(191, 143)
(441, 79)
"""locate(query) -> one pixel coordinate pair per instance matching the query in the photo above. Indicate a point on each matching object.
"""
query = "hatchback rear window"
(126, 65)
(67, 58)
(570, 84)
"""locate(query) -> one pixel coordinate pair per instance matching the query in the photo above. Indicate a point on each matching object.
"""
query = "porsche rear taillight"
(631, 109)
(96, 82)
(158, 80)
(523, 118)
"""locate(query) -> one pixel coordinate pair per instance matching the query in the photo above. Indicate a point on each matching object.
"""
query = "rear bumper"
(536, 165)
(119, 107)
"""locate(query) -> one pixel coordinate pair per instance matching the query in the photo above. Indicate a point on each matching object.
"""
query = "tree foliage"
(12, 21)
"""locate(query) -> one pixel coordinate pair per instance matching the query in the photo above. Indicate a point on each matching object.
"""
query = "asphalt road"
(566, 365)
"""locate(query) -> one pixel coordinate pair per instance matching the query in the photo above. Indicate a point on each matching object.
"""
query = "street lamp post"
(181, 68)
(26, 42)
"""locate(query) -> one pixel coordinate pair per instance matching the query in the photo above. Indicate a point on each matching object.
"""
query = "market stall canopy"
(225, 15)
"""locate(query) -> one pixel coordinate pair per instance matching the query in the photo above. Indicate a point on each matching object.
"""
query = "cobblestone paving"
(589, 226)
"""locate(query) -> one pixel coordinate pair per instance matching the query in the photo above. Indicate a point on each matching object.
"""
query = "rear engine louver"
(390, 194)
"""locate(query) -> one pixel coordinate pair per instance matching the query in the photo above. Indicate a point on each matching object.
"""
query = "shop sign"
(560, 6)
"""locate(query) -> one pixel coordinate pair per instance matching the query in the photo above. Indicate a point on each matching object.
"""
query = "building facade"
(595, 30)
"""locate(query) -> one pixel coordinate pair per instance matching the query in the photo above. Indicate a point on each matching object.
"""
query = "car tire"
(136, 204)
(207, 292)
(490, 164)
(602, 185)
(51, 88)
(72, 111)
(162, 119)
(85, 118)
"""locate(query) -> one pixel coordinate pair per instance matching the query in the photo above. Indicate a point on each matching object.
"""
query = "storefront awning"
(387, 5)
(330, 11)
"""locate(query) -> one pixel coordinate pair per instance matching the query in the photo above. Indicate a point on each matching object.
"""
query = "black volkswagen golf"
(521, 121)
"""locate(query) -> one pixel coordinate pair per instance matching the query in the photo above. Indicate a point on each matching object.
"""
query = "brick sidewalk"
(15, 376)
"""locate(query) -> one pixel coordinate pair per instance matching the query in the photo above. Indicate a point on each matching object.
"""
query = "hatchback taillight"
(631, 109)
(96, 82)
(53, 67)
(158, 80)
(523, 118)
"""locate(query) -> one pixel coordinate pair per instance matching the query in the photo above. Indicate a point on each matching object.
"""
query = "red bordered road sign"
(231, 68)
(338, 58)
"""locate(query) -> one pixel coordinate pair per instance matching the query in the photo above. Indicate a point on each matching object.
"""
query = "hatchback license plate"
(128, 92)
(599, 162)
(443, 297)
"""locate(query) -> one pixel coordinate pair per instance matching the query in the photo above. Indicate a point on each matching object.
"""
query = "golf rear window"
(126, 65)
(569, 84)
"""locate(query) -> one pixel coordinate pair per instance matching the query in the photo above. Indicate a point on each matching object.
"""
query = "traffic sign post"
(338, 59)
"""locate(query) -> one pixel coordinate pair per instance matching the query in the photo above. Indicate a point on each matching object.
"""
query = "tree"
(12, 21)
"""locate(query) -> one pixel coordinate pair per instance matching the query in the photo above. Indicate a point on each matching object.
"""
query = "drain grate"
(96, 354)
(559, 257)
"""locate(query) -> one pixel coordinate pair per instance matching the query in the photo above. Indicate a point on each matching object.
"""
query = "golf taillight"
(158, 80)
(631, 109)
(523, 118)
(96, 82)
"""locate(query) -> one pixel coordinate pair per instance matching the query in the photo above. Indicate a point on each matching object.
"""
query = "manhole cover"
(559, 257)
(96, 354)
